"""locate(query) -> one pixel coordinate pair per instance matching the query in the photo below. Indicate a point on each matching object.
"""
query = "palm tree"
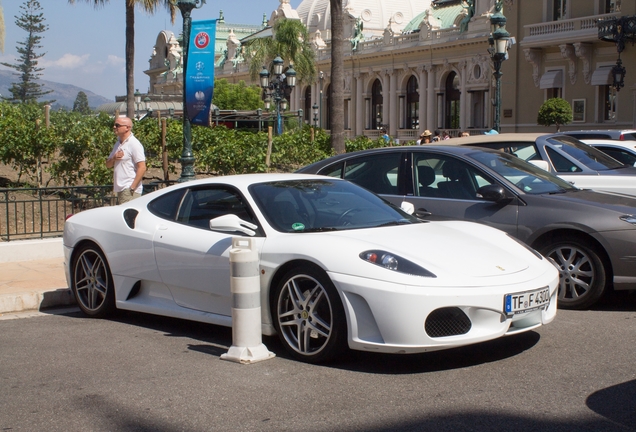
(290, 41)
(337, 77)
(149, 6)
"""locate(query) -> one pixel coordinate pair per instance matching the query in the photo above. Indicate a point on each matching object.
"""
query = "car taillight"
(68, 216)
(621, 138)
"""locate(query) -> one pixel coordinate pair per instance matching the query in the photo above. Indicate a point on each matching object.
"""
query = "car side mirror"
(232, 223)
(492, 192)
(540, 164)
(407, 207)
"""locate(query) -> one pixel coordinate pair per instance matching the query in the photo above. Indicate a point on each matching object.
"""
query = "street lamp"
(137, 102)
(187, 157)
(618, 30)
(274, 90)
(498, 41)
(315, 109)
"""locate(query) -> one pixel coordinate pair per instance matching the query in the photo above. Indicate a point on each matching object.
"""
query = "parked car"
(564, 156)
(606, 134)
(591, 236)
(337, 266)
(622, 151)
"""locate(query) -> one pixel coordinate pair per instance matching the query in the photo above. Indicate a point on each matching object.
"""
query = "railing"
(41, 212)
(587, 24)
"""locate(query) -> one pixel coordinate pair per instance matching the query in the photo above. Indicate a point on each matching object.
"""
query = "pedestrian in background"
(425, 138)
(437, 136)
(128, 162)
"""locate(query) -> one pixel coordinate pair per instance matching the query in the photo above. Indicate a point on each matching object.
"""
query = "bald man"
(128, 162)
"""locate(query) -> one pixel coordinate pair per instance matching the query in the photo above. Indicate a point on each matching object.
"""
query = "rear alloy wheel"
(92, 282)
(309, 316)
(582, 275)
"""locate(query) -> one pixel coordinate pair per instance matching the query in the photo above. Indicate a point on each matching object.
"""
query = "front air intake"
(449, 321)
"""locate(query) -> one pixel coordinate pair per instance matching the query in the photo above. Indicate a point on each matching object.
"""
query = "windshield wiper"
(396, 222)
(320, 229)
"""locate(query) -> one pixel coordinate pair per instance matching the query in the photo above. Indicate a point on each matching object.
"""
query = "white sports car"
(338, 266)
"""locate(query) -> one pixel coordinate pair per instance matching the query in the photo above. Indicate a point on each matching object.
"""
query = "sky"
(85, 46)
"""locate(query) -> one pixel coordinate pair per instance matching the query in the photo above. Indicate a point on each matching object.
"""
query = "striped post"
(247, 346)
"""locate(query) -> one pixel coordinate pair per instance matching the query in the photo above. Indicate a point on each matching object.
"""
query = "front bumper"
(394, 318)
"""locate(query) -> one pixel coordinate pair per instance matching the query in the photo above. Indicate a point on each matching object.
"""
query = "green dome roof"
(446, 15)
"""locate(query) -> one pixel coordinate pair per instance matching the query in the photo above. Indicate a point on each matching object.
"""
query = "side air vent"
(450, 321)
(129, 216)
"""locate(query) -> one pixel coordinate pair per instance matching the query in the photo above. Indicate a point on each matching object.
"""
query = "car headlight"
(394, 262)
(534, 252)
(629, 219)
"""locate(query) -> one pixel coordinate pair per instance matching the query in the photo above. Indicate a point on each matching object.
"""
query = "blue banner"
(199, 79)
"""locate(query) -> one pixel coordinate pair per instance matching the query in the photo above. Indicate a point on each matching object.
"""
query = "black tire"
(582, 275)
(308, 315)
(92, 282)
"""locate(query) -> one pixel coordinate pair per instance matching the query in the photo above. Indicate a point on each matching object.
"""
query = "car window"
(201, 205)
(561, 163)
(523, 175)
(167, 205)
(314, 205)
(525, 150)
(440, 176)
(377, 173)
(586, 155)
(332, 170)
(621, 155)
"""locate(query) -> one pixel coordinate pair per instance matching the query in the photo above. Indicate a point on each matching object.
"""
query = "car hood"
(457, 250)
(609, 201)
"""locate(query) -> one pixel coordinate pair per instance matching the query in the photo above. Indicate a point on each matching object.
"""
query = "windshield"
(585, 154)
(527, 177)
(315, 205)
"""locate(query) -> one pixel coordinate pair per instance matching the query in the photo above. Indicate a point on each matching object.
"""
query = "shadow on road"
(616, 403)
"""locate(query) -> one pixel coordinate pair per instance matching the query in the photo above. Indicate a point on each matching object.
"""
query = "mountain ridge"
(63, 94)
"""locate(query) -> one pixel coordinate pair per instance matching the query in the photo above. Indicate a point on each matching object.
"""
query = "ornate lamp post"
(618, 30)
(275, 89)
(321, 76)
(187, 157)
(498, 41)
(315, 110)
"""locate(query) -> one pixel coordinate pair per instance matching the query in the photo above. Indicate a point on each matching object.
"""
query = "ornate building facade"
(412, 65)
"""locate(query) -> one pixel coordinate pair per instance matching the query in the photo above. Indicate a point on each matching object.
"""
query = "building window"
(608, 94)
(376, 105)
(559, 9)
(412, 103)
(612, 6)
(307, 108)
(555, 92)
(451, 111)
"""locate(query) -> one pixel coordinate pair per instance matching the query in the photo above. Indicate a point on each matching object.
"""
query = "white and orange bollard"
(247, 338)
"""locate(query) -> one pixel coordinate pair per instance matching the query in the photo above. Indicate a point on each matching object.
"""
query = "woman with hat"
(425, 137)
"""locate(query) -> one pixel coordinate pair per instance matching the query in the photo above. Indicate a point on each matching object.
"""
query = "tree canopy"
(27, 88)
(241, 97)
(81, 104)
(555, 111)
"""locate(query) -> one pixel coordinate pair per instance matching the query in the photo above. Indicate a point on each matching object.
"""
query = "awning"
(552, 79)
(602, 76)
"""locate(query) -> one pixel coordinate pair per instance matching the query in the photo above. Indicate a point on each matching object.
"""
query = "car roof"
(614, 134)
(248, 179)
(455, 149)
(505, 137)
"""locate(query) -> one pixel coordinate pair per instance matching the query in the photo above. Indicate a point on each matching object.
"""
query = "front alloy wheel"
(581, 274)
(92, 282)
(309, 316)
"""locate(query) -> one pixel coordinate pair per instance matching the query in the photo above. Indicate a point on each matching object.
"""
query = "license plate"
(528, 301)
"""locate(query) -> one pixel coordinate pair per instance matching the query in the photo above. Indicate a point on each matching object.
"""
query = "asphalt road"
(143, 373)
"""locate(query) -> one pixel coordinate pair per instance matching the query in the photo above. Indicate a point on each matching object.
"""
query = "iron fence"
(29, 213)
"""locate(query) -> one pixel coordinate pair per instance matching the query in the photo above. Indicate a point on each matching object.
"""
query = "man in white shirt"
(128, 162)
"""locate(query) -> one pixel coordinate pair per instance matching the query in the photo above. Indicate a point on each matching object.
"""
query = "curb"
(33, 301)
(31, 250)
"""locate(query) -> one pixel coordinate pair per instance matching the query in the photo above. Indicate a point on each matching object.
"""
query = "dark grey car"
(590, 235)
